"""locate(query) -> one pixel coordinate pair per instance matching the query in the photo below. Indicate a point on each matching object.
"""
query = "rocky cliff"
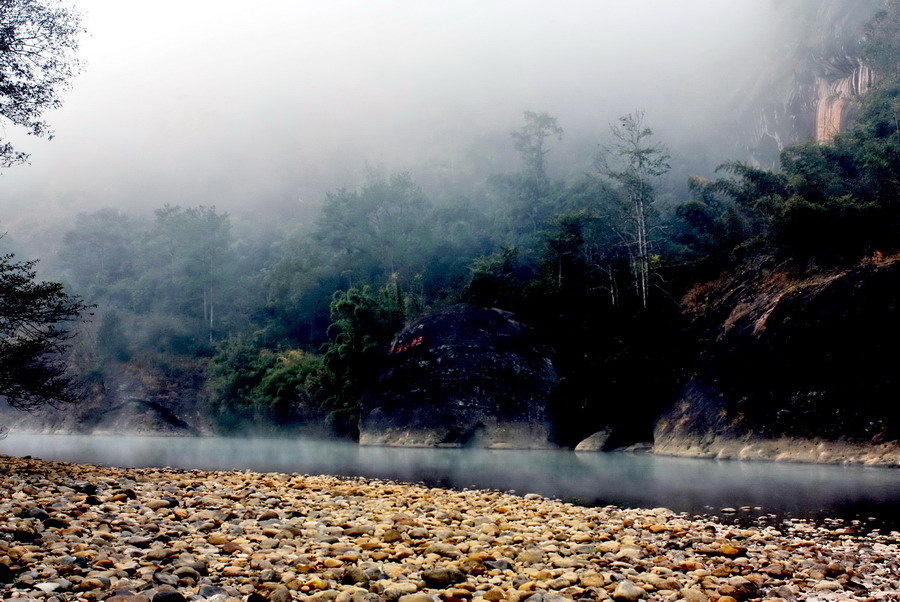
(817, 90)
(793, 368)
(128, 399)
(463, 376)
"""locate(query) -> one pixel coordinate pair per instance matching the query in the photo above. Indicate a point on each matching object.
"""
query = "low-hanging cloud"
(232, 104)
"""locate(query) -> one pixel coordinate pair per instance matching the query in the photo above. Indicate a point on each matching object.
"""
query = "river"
(770, 490)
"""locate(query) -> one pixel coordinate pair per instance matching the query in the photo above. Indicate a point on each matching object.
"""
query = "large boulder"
(463, 376)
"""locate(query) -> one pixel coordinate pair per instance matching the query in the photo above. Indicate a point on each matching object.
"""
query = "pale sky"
(231, 103)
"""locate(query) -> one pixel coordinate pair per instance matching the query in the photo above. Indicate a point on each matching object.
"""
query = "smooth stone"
(692, 594)
(399, 589)
(630, 553)
(501, 564)
(281, 594)
(443, 549)
(165, 578)
(418, 597)
(358, 530)
(90, 584)
(47, 588)
(494, 594)
(139, 541)
(595, 442)
(609, 547)
(186, 571)
(442, 577)
(208, 591)
(592, 579)
(160, 554)
(355, 574)
(530, 556)
(169, 597)
(626, 590)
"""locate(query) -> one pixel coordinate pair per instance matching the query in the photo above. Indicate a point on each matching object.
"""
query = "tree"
(298, 290)
(184, 256)
(531, 142)
(881, 47)
(498, 280)
(633, 161)
(33, 340)
(253, 387)
(527, 199)
(378, 230)
(38, 46)
(363, 322)
(98, 253)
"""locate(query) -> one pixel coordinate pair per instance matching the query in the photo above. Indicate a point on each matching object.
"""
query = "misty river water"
(754, 489)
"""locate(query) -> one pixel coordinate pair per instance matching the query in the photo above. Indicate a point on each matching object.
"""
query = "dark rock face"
(802, 360)
(462, 376)
(131, 399)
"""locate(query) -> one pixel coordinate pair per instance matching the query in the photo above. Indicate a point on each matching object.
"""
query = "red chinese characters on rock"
(402, 347)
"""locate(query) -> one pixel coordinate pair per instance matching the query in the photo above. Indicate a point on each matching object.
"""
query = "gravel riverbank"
(73, 532)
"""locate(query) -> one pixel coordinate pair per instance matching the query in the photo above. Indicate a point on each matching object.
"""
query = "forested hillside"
(286, 319)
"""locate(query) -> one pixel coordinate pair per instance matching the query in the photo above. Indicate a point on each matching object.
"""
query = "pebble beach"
(75, 532)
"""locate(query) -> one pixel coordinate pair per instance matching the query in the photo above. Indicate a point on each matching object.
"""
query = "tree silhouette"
(33, 341)
(38, 46)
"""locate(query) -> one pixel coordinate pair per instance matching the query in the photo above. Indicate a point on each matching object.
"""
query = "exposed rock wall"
(793, 366)
(815, 80)
(130, 398)
(839, 97)
(463, 376)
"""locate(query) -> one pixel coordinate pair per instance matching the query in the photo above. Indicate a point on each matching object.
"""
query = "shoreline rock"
(783, 449)
(797, 365)
(75, 532)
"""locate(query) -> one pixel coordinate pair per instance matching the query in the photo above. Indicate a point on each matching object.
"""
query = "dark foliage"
(33, 339)
(363, 322)
(38, 44)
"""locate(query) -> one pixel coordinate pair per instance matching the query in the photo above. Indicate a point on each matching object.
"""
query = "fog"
(682, 484)
(227, 104)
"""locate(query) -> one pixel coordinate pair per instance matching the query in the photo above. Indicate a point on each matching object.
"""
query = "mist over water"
(641, 480)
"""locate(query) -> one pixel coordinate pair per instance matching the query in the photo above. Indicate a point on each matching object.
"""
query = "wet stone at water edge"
(70, 532)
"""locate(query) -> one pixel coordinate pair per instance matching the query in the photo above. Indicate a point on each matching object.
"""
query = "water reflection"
(690, 485)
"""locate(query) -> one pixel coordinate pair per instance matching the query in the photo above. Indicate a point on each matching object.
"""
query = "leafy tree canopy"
(38, 59)
(33, 339)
